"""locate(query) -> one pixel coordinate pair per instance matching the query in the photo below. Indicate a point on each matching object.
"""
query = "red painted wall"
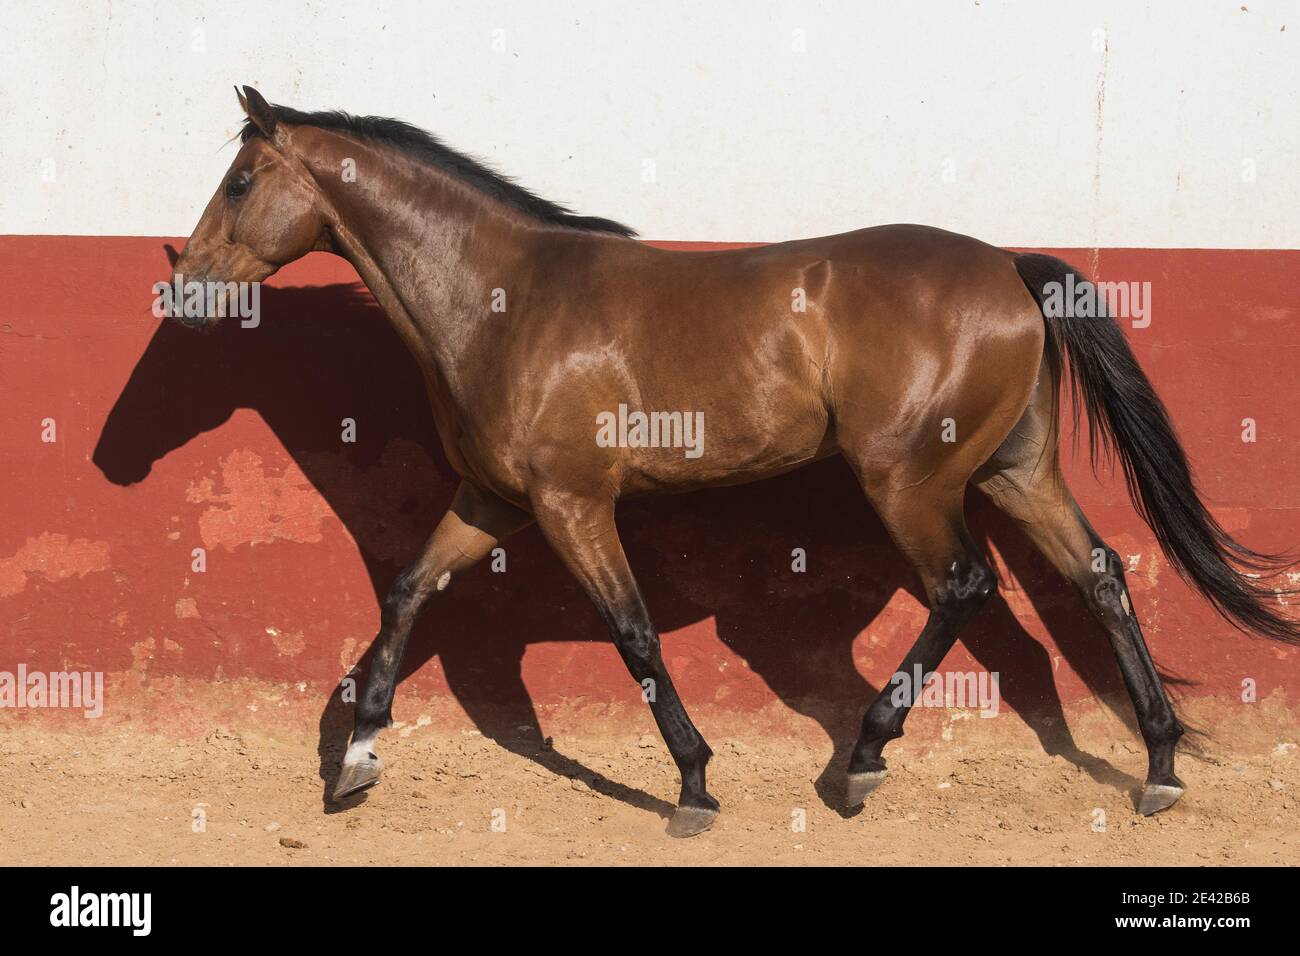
(169, 440)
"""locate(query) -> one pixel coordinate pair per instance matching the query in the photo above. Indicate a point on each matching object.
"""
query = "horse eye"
(238, 185)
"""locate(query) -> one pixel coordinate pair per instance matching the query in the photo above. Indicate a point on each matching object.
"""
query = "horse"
(929, 361)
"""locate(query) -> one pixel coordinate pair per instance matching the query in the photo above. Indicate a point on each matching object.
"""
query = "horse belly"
(720, 445)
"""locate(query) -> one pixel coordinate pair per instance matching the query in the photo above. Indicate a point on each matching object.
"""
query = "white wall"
(1145, 142)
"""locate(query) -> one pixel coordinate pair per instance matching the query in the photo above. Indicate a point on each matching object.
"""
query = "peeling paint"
(287, 645)
(1234, 520)
(141, 654)
(53, 556)
(347, 654)
(254, 507)
(424, 720)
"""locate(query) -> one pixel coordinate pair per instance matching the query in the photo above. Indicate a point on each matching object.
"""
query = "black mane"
(427, 148)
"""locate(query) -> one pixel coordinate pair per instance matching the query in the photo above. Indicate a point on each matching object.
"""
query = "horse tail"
(1127, 419)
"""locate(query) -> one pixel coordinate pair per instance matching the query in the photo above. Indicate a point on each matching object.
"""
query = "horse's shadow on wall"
(324, 354)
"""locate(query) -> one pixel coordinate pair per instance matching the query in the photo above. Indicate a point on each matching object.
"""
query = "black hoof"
(689, 821)
(858, 786)
(1157, 797)
(357, 777)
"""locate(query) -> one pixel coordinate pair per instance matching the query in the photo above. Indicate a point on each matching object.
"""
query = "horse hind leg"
(919, 492)
(1028, 486)
(958, 581)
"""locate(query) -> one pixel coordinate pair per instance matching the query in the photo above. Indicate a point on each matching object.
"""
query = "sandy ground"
(134, 793)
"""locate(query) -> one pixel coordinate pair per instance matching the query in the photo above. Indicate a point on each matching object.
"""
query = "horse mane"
(428, 149)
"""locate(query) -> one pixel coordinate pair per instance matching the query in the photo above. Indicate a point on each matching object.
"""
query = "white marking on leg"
(359, 750)
(1123, 599)
(443, 581)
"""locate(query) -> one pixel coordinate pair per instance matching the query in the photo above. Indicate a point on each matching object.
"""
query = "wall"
(1107, 124)
(169, 440)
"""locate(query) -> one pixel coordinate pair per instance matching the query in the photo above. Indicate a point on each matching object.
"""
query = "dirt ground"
(967, 792)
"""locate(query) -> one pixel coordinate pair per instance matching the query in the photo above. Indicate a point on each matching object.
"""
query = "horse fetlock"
(1162, 733)
(878, 729)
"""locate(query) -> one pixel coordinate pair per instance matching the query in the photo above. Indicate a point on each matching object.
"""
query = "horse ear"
(259, 111)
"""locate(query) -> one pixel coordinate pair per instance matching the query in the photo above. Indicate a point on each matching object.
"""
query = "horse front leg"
(471, 528)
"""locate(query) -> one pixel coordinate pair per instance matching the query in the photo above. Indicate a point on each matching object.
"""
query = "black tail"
(1127, 418)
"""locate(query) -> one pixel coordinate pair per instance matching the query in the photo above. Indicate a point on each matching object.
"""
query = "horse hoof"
(355, 777)
(689, 821)
(860, 785)
(1157, 797)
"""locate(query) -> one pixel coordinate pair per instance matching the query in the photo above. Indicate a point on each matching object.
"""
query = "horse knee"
(409, 593)
(639, 646)
(970, 582)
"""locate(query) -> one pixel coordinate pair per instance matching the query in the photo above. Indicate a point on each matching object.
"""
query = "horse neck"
(431, 249)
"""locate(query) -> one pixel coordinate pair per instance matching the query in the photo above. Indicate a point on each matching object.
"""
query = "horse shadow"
(325, 353)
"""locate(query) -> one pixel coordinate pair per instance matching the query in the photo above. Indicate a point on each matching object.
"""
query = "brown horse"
(569, 366)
